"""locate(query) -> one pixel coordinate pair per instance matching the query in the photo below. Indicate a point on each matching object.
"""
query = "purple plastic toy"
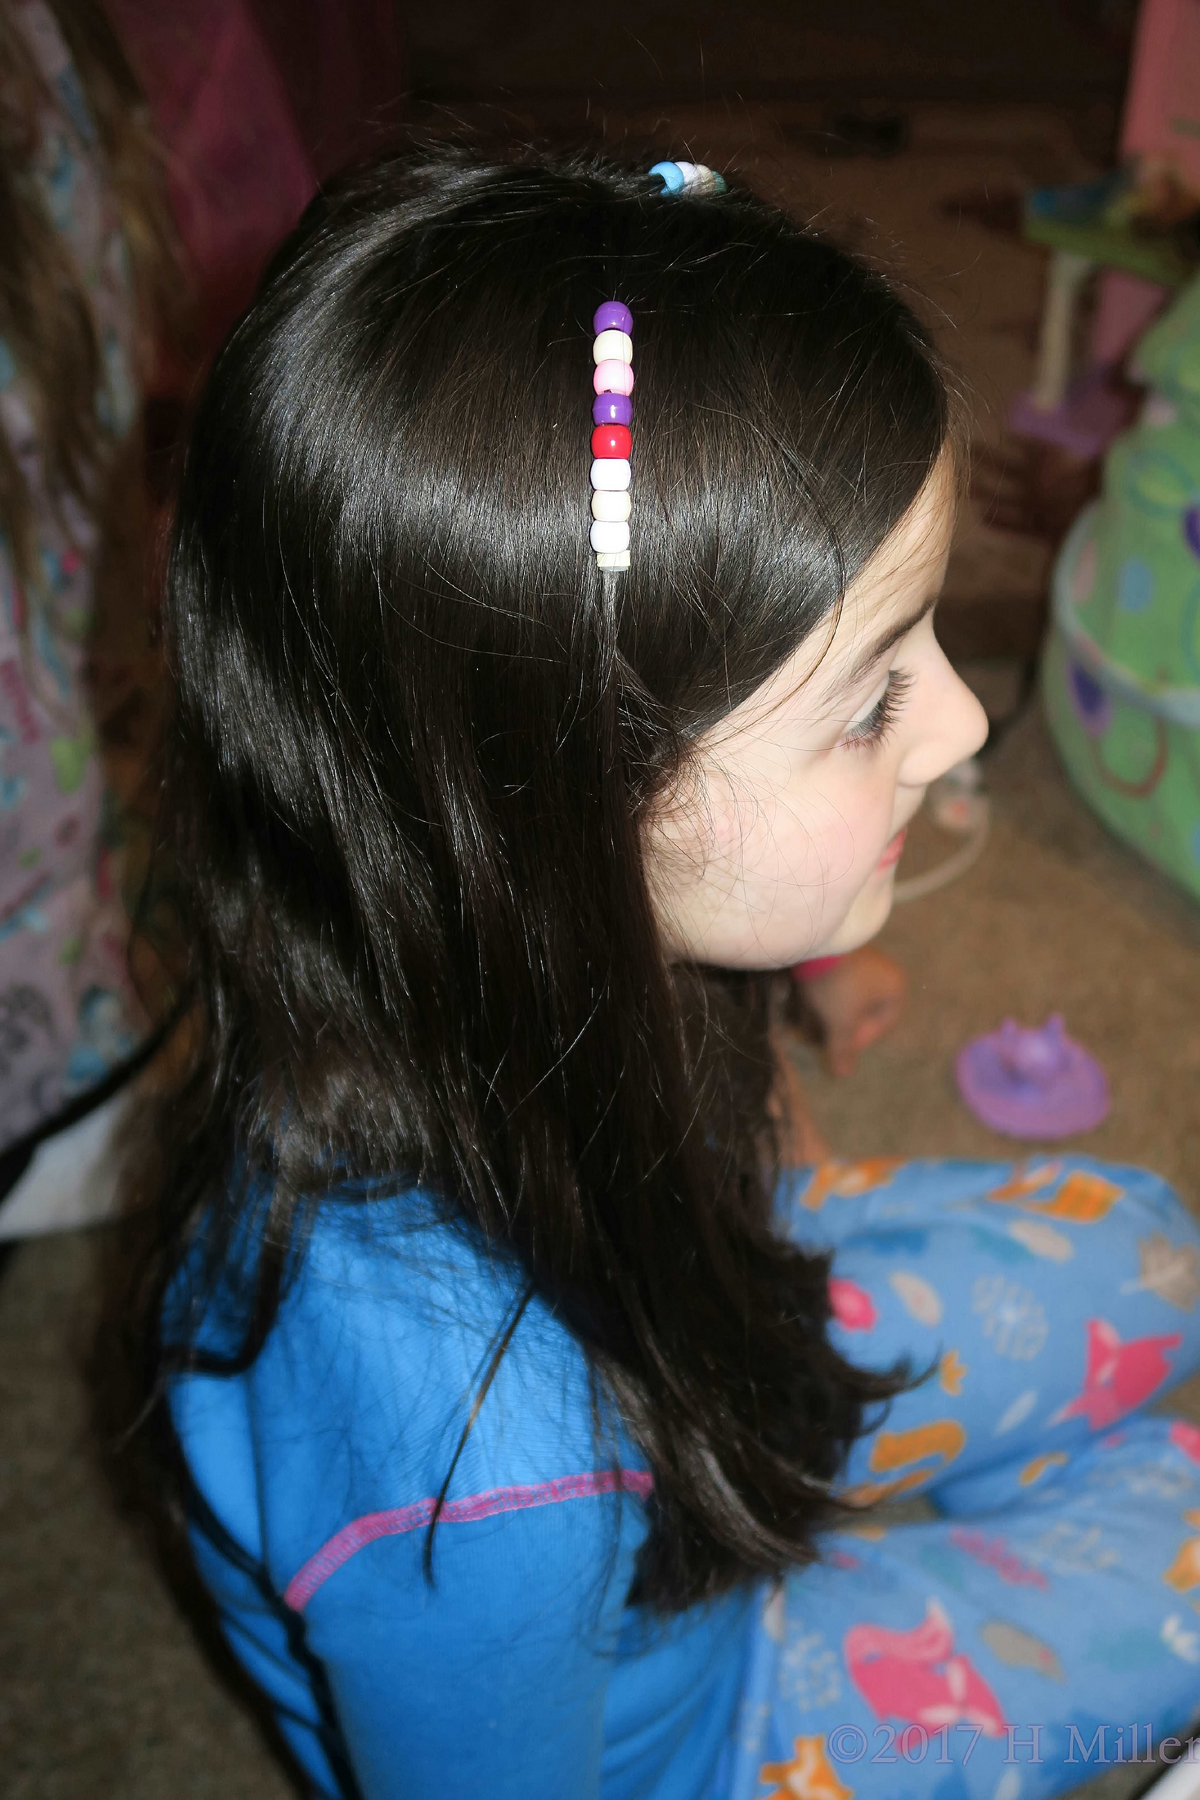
(1032, 1084)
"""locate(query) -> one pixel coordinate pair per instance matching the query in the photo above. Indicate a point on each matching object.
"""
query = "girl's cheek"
(864, 803)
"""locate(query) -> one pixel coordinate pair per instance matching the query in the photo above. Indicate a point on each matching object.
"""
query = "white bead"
(612, 559)
(609, 505)
(609, 536)
(705, 181)
(613, 346)
(611, 473)
(688, 171)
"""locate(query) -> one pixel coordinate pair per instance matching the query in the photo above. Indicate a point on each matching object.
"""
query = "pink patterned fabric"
(397, 1520)
(238, 172)
(254, 102)
(1161, 109)
(68, 1016)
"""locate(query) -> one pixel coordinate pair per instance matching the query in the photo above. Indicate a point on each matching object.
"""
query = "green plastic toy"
(1121, 675)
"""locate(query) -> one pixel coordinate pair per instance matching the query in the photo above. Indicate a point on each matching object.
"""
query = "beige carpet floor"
(102, 1690)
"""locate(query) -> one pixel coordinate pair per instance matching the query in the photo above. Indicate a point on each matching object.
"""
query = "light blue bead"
(719, 182)
(671, 174)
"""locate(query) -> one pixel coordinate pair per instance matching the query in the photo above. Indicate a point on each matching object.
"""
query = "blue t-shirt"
(521, 1671)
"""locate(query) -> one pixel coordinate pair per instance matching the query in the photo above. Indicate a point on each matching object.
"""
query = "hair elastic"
(688, 178)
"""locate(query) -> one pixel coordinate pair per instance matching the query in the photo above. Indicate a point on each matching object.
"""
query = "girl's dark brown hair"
(416, 738)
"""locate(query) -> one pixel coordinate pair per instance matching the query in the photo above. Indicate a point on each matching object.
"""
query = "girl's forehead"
(888, 598)
(898, 584)
(917, 546)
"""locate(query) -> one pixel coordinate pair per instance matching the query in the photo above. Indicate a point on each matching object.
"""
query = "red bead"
(611, 440)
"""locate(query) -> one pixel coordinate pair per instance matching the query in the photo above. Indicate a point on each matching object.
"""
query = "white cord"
(917, 886)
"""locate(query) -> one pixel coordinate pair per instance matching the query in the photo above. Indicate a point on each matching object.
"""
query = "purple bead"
(612, 409)
(612, 316)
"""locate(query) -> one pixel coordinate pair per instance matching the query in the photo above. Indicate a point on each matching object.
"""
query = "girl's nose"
(953, 726)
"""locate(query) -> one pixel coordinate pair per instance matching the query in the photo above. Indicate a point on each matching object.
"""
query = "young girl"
(526, 1439)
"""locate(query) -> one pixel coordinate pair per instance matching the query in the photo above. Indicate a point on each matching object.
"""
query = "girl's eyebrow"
(872, 654)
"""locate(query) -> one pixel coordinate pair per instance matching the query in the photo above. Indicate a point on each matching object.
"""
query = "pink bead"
(613, 378)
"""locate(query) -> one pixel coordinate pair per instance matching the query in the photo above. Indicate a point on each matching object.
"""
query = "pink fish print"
(994, 1553)
(915, 1676)
(1186, 1437)
(1119, 1376)
(853, 1307)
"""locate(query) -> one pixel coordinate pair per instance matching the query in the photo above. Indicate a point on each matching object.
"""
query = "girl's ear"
(692, 823)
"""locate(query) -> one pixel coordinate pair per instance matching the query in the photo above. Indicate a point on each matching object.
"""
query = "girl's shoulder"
(394, 1258)
(389, 1328)
(378, 1389)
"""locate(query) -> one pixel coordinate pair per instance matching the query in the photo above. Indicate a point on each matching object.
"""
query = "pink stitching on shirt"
(399, 1519)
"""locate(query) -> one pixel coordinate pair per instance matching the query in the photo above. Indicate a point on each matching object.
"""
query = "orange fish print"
(943, 1438)
(1027, 1181)
(1033, 1471)
(1083, 1199)
(1184, 1572)
(807, 1776)
(846, 1180)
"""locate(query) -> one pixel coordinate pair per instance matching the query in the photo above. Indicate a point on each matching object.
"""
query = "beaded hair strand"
(612, 409)
(612, 413)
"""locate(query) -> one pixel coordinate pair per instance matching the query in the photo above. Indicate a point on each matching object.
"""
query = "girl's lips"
(891, 855)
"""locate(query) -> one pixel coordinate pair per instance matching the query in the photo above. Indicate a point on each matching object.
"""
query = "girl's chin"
(865, 919)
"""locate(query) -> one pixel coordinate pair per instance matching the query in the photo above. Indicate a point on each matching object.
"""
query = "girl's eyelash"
(883, 715)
